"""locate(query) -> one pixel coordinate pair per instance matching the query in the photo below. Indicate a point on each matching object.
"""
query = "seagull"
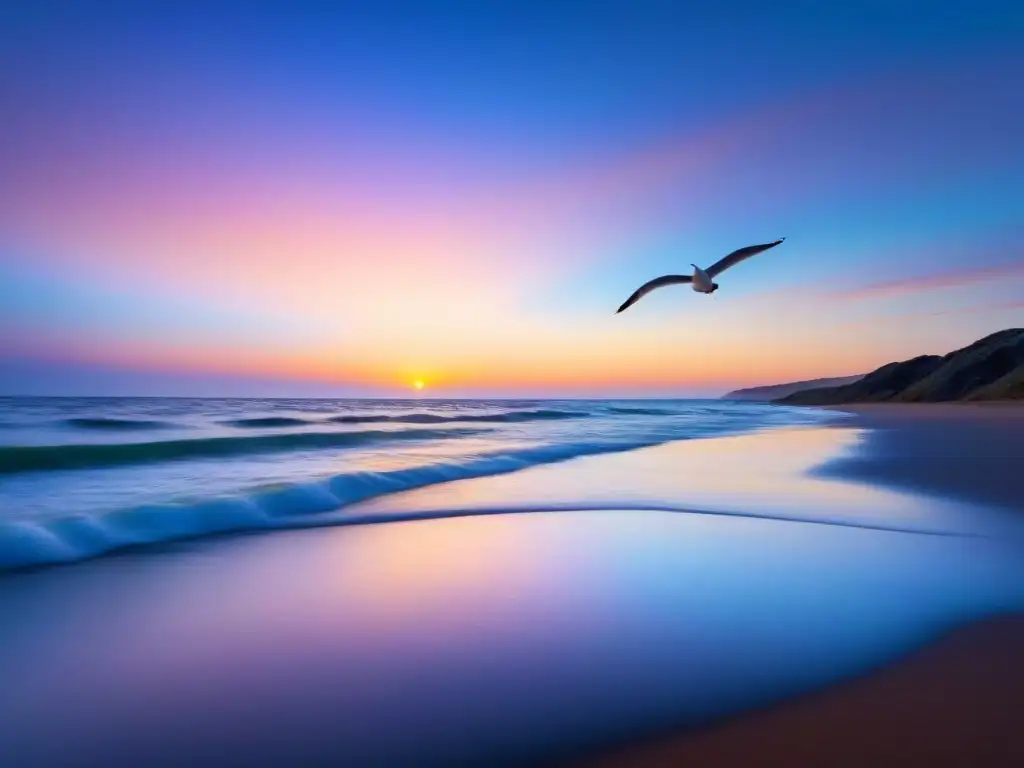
(701, 279)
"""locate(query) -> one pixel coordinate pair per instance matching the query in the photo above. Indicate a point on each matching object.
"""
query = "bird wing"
(736, 257)
(658, 282)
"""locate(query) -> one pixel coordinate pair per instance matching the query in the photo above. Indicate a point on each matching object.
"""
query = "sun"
(418, 384)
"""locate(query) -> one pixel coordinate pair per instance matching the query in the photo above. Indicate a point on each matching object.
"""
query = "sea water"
(80, 477)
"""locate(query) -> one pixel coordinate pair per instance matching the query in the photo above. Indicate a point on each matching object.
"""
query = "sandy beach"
(954, 702)
(972, 452)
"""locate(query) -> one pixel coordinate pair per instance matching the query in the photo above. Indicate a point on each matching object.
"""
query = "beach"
(969, 451)
(798, 594)
(953, 702)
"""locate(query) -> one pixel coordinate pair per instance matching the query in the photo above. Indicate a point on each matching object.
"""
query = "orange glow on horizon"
(602, 360)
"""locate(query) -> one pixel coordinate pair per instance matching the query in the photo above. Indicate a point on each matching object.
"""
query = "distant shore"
(956, 702)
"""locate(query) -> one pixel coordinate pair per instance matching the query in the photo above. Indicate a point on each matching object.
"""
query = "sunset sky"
(345, 198)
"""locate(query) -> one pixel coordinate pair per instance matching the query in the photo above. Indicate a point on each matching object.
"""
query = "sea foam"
(66, 539)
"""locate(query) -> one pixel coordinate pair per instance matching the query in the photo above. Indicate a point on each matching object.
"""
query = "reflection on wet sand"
(494, 639)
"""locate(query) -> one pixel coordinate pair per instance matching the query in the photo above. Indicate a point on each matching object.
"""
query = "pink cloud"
(934, 282)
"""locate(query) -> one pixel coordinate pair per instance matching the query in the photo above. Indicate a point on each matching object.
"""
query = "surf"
(28, 544)
(43, 458)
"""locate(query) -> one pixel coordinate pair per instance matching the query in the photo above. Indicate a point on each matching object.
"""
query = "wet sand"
(959, 701)
(955, 703)
(970, 452)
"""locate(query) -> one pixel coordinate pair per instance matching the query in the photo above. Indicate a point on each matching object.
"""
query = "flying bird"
(702, 280)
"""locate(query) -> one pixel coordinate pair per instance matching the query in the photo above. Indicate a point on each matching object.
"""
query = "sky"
(341, 199)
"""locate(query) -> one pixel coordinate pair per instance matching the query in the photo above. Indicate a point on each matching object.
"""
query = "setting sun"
(418, 384)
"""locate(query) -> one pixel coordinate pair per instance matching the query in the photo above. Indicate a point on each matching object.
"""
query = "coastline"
(955, 701)
(968, 451)
(671, 594)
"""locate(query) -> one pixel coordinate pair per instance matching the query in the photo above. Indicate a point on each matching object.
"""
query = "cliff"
(989, 369)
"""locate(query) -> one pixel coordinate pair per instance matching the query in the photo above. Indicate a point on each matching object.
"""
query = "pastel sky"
(343, 198)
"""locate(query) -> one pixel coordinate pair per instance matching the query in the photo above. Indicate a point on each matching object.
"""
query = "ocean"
(81, 477)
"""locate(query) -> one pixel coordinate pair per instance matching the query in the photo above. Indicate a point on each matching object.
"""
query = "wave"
(115, 424)
(26, 544)
(641, 411)
(34, 544)
(270, 421)
(261, 422)
(541, 415)
(437, 418)
(40, 458)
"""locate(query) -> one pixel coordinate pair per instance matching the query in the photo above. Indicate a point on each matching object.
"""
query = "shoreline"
(954, 701)
(648, 620)
(969, 451)
(244, 491)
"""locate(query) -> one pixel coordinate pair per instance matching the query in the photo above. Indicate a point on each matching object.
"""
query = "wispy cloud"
(937, 281)
(847, 288)
(970, 310)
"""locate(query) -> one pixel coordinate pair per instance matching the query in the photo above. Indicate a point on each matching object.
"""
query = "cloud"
(969, 310)
(934, 282)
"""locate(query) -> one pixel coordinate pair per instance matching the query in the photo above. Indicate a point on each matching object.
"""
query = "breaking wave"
(62, 540)
(25, 544)
(41, 458)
